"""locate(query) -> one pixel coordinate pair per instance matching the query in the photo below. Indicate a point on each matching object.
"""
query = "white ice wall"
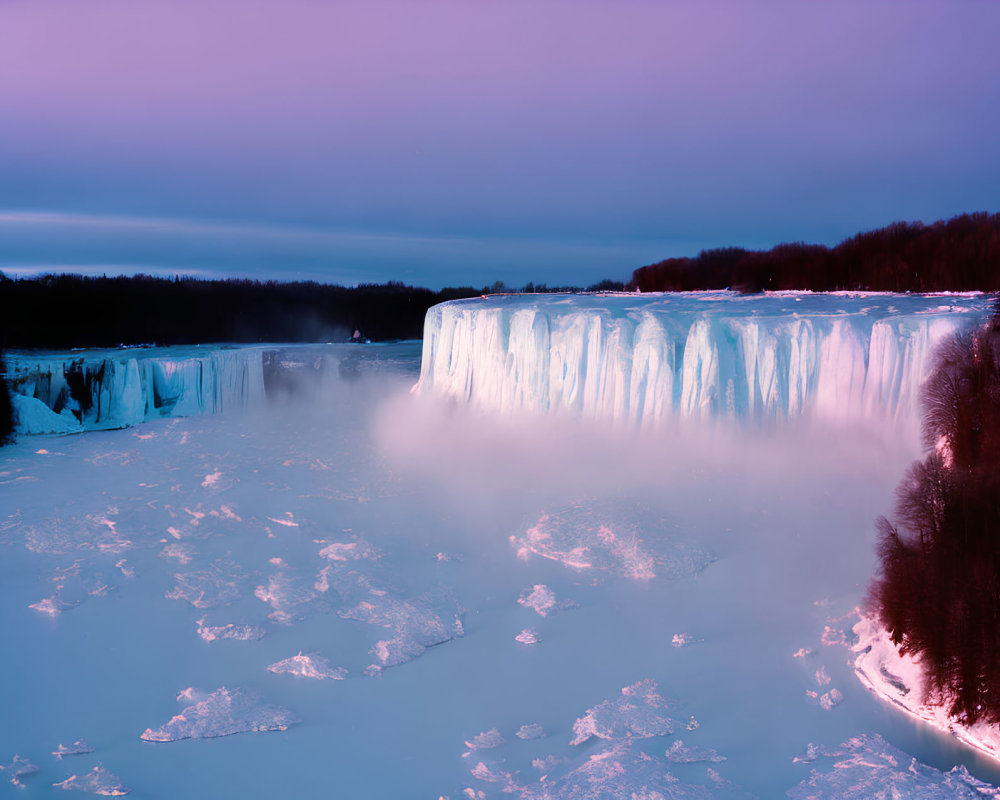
(125, 388)
(646, 359)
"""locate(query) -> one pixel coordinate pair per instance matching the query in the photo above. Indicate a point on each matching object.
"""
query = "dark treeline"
(62, 311)
(938, 593)
(6, 409)
(960, 254)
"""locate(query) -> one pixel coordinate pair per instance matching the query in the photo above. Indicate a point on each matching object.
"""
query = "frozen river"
(359, 591)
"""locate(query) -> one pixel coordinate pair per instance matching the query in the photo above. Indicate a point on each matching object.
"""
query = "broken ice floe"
(814, 751)
(606, 537)
(869, 767)
(73, 584)
(393, 652)
(530, 731)
(680, 753)
(486, 740)
(619, 771)
(97, 781)
(419, 622)
(548, 763)
(493, 774)
(18, 768)
(639, 712)
(242, 633)
(355, 550)
(528, 636)
(826, 700)
(52, 606)
(221, 713)
(218, 584)
(684, 640)
(834, 636)
(308, 666)
(295, 594)
(182, 551)
(79, 747)
(542, 600)
(94, 532)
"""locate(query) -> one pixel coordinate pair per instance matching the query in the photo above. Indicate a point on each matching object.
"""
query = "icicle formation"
(644, 359)
(118, 389)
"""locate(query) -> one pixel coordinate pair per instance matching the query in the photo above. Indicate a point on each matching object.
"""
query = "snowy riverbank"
(898, 679)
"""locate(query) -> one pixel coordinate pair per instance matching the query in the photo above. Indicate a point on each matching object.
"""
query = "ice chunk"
(639, 712)
(241, 633)
(79, 747)
(73, 585)
(52, 606)
(294, 594)
(18, 768)
(356, 550)
(606, 537)
(35, 418)
(542, 600)
(528, 636)
(548, 763)
(182, 551)
(419, 622)
(94, 533)
(395, 651)
(486, 740)
(618, 772)
(869, 767)
(216, 585)
(221, 713)
(680, 753)
(834, 636)
(97, 781)
(492, 773)
(814, 751)
(530, 731)
(416, 617)
(308, 666)
(826, 700)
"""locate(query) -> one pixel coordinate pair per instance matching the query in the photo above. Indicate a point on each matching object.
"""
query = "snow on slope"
(646, 358)
(898, 679)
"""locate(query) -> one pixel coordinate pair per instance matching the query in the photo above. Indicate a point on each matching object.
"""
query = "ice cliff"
(103, 389)
(644, 359)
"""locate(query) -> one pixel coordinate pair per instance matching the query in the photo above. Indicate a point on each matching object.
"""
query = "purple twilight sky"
(465, 142)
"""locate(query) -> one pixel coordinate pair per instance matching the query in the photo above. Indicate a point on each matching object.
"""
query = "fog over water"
(353, 512)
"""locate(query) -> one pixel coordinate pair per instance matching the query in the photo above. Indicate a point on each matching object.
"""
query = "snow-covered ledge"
(899, 680)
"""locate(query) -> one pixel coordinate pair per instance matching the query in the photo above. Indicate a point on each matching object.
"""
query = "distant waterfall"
(117, 389)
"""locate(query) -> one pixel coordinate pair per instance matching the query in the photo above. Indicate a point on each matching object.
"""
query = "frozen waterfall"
(100, 389)
(644, 359)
